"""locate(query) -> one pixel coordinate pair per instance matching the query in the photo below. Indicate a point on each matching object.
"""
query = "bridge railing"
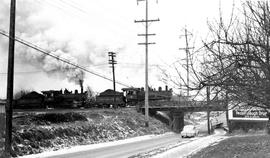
(214, 105)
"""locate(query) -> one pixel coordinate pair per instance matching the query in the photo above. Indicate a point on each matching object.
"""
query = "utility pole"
(187, 48)
(227, 110)
(112, 61)
(146, 21)
(10, 79)
(208, 111)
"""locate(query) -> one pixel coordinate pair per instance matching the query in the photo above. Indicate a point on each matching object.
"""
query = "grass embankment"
(245, 146)
(35, 133)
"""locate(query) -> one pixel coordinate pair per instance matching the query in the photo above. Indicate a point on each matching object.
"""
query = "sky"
(84, 31)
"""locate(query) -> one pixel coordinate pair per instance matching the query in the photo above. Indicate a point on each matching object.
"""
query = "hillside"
(35, 133)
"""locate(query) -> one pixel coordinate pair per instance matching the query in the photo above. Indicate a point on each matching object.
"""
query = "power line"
(136, 64)
(104, 8)
(99, 65)
(59, 8)
(21, 72)
(77, 11)
(74, 6)
(129, 64)
(28, 44)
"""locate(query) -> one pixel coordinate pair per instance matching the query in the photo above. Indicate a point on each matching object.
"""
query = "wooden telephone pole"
(113, 62)
(10, 79)
(146, 21)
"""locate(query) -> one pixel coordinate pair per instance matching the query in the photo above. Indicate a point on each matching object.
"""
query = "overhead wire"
(63, 4)
(77, 7)
(74, 6)
(102, 7)
(37, 48)
(22, 72)
(61, 9)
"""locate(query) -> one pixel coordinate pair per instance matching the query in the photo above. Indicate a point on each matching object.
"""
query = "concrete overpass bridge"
(177, 109)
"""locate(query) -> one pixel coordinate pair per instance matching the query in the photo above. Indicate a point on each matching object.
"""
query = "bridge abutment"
(177, 121)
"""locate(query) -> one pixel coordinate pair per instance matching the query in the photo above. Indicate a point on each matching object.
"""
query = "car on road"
(189, 131)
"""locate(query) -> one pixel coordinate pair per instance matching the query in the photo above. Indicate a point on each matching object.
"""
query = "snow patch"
(93, 146)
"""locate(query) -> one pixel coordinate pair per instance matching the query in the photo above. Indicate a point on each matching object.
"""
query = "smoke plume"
(33, 24)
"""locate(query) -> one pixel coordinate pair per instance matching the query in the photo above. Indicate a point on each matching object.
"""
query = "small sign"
(245, 112)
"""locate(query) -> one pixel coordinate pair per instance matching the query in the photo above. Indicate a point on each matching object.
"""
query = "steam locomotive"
(50, 99)
(129, 97)
(108, 98)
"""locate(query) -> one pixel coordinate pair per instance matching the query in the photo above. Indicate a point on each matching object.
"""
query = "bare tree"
(237, 58)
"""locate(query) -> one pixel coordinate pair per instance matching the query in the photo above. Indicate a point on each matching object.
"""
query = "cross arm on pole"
(151, 34)
(153, 20)
(146, 43)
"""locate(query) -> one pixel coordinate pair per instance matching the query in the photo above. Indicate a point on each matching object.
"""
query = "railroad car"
(58, 99)
(67, 99)
(109, 98)
(136, 95)
(32, 100)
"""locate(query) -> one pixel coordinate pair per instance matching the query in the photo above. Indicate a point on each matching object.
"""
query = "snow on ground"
(37, 133)
(194, 146)
(126, 120)
(163, 149)
(92, 146)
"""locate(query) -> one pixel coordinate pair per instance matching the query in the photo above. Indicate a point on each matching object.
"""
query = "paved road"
(194, 146)
(125, 150)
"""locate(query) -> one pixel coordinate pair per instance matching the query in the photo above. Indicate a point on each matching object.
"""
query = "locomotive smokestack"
(81, 85)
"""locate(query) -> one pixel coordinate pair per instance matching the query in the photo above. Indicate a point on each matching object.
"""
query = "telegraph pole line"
(10, 79)
(146, 21)
(187, 48)
(112, 61)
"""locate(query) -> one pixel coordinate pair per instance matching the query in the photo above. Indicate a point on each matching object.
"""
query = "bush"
(59, 117)
(248, 125)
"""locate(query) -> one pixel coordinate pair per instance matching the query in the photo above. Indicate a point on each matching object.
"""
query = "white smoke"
(33, 24)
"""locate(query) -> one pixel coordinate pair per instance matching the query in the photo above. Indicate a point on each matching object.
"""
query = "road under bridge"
(178, 109)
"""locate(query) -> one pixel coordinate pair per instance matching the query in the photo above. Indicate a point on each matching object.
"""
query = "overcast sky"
(84, 31)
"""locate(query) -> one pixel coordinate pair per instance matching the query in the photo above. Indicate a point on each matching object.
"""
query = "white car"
(189, 131)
